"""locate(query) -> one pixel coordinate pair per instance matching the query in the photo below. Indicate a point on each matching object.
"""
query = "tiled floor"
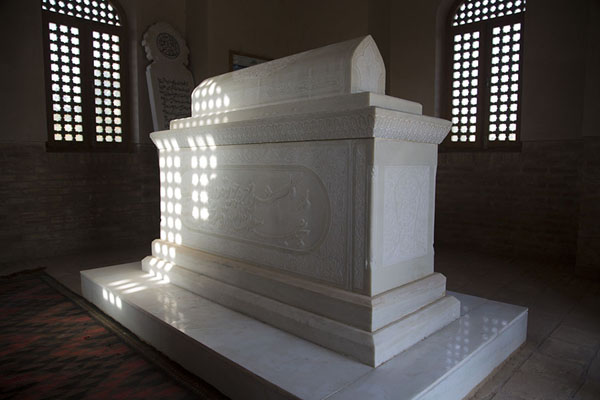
(560, 359)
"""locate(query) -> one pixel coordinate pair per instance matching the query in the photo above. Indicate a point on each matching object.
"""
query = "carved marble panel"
(402, 183)
(406, 205)
(280, 206)
(284, 205)
(362, 159)
(280, 126)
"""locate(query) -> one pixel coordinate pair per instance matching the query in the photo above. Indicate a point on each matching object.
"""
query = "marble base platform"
(245, 358)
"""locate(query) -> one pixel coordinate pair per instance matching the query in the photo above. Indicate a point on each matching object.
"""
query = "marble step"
(360, 311)
(245, 358)
(369, 347)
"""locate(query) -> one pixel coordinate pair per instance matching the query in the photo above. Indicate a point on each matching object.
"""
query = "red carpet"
(53, 344)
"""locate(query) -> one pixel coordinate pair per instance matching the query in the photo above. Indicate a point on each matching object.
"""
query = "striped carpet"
(53, 344)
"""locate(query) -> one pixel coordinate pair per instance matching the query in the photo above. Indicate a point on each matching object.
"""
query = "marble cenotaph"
(311, 207)
(299, 195)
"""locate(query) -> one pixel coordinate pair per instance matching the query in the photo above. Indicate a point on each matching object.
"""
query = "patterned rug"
(53, 344)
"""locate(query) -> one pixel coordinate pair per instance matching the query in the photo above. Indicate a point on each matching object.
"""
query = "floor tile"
(594, 370)
(533, 386)
(567, 351)
(494, 383)
(504, 396)
(553, 368)
(589, 391)
(540, 326)
(578, 336)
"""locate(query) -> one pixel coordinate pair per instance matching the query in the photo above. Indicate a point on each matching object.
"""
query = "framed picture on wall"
(238, 60)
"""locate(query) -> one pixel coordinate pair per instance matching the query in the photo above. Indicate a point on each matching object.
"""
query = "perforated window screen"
(85, 81)
(66, 83)
(465, 84)
(504, 83)
(471, 11)
(91, 10)
(107, 87)
(484, 84)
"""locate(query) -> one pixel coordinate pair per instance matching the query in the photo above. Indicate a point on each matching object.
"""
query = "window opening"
(84, 74)
(485, 60)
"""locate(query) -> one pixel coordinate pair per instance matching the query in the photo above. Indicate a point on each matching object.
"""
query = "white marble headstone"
(170, 83)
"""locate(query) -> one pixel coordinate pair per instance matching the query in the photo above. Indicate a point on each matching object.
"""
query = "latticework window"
(485, 58)
(84, 74)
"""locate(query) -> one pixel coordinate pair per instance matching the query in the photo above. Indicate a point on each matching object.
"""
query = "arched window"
(484, 82)
(85, 74)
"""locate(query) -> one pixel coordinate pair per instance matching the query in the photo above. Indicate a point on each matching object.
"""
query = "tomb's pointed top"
(368, 69)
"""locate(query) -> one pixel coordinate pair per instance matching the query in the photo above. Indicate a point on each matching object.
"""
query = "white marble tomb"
(300, 195)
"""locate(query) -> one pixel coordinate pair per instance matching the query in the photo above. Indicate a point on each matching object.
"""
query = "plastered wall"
(23, 101)
(267, 28)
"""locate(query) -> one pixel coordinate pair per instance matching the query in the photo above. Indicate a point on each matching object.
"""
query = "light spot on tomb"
(127, 286)
(135, 289)
(121, 282)
(203, 162)
(204, 214)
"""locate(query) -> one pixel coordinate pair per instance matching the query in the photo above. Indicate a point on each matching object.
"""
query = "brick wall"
(59, 203)
(588, 240)
(513, 203)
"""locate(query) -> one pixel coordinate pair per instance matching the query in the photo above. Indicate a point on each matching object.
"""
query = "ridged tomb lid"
(333, 92)
(348, 67)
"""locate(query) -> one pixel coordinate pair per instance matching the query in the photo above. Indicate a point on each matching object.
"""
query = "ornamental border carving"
(370, 122)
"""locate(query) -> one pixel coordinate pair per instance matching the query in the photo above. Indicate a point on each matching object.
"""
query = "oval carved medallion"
(286, 207)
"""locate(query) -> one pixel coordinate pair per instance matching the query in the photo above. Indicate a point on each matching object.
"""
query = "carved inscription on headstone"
(174, 97)
(170, 83)
(167, 45)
